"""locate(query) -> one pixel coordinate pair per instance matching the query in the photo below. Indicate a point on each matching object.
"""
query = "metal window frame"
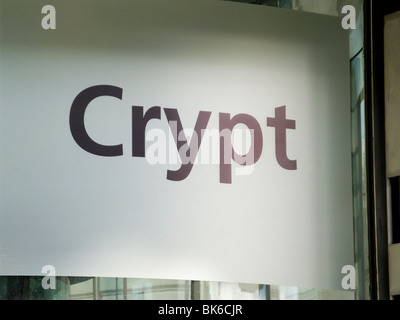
(374, 14)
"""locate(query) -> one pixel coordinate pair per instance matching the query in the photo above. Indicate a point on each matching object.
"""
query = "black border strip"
(395, 203)
(391, 6)
(376, 158)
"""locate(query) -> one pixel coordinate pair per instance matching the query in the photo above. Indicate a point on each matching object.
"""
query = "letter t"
(281, 124)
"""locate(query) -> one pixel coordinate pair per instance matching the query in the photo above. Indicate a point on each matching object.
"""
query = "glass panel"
(359, 179)
(30, 288)
(294, 293)
(77, 288)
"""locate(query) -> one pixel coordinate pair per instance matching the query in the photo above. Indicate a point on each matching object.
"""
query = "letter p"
(227, 152)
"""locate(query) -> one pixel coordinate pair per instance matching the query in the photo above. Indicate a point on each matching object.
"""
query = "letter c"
(77, 124)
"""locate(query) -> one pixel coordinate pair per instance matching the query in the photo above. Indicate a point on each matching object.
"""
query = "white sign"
(197, 140)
